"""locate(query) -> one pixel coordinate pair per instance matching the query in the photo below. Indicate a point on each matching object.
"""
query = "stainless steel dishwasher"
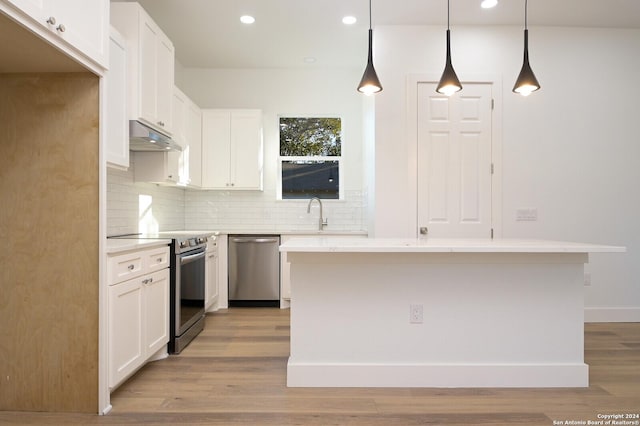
(254, 270)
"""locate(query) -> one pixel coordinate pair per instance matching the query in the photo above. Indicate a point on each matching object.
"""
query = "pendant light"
(449, 83)
(527, 81)
(370, 83)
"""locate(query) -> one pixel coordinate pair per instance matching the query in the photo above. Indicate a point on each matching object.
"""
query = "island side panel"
(490, 319)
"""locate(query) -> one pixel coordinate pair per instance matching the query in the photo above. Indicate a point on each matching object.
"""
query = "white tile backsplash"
(124, 199)
(174, 208)
(252, 210)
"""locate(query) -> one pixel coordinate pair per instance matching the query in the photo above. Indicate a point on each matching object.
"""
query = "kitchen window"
(310, 157)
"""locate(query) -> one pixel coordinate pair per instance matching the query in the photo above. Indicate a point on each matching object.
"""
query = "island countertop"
(440, 245)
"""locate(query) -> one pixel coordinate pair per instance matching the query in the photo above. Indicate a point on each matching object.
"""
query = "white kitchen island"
(437, 312)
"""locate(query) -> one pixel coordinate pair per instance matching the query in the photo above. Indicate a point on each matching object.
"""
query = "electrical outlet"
(416, 314)
(587, 279)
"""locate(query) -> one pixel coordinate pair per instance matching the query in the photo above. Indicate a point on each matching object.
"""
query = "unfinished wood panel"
(49, 180)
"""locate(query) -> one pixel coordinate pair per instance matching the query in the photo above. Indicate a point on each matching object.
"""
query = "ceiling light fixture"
(527, 81)
(349, 20)
(449, 83)
(488, 4)
(247, 19)
(370, 83)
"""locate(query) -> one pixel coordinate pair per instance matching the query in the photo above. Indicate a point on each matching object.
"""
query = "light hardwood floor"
(234, 373)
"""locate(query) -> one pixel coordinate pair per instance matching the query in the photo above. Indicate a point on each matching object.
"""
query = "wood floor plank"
(234, 373)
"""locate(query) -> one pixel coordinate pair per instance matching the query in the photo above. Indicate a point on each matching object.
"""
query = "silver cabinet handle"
(159, 260)
(52, 21)
(424, 230)
(130, 267)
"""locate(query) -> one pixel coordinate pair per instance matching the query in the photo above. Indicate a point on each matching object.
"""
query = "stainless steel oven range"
(186, 310)
(187, 290)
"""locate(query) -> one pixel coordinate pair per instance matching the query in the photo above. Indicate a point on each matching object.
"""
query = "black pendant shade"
(370, 82)
(526, 81)
(449, 82)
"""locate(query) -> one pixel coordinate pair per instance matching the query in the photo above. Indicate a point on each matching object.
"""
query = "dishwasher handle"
(255, 240)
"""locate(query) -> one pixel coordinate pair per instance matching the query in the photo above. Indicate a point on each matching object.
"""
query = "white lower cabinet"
(125, 330)
(211, 275)
(138, 313)
(156, 312)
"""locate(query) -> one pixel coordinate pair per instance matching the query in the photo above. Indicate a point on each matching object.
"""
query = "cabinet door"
(246, 149)
(156, 311)
(126, 352)
(211, 278)
(115, 80)
(148, 57)
(216, 149)
(165, 70)
(179, 118)
(82, 23)
(193, 148)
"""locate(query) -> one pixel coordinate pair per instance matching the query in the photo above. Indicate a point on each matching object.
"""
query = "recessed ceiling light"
(309, 59)
(349, 20)
(247, 19)
(488, 4)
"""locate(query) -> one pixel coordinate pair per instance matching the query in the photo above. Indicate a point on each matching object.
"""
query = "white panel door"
(454, 162)
(246, 149)
(126, 352)
(156, 311)
(216, 149)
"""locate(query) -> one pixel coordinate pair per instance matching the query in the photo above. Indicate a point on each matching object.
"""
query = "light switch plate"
(527, 215)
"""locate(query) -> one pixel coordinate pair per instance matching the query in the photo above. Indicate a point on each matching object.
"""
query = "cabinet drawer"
(156, 259)
(125, 267)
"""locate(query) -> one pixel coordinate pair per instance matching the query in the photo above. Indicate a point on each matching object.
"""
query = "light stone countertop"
(120, 245)
(440, 245)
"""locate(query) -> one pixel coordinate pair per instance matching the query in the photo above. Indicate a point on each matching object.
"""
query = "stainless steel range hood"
(144, 138)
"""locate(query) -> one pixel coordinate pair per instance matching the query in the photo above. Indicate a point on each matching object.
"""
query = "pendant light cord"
(370, 26)
(448, 14)
(525, 14)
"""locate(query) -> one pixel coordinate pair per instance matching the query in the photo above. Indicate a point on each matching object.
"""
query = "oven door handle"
(191, 258)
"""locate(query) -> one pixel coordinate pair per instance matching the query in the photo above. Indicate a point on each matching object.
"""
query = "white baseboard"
(611, 314)
(436, 375)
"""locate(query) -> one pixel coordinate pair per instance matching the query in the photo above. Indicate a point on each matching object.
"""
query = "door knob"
(424, 230)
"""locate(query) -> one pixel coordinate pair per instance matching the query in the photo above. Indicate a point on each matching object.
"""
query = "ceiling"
(208, 33)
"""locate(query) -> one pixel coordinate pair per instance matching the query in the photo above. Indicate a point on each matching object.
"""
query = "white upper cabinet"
(193, 146)
(176, 168)
(81, 24)
(150, 66)
(115, 82)
(232, 149)
(187, 120)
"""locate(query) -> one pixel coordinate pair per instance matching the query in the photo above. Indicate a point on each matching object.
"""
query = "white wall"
(570, 150)
(295, 92)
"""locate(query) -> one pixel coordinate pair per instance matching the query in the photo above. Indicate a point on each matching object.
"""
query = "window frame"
(316, 158)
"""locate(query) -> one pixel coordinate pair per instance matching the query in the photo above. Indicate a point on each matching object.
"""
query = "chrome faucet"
(321, 222)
